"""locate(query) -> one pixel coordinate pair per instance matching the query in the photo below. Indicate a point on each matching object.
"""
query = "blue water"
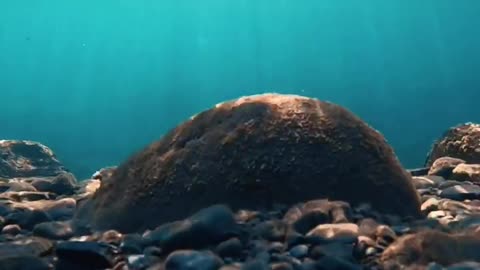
(98, 80)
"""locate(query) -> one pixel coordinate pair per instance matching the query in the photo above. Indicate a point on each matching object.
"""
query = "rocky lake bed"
(44, 226)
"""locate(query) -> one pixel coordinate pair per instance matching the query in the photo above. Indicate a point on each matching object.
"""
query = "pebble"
(12, 229)
(230, 248)
(461, 192)
(208, 226)
(467, 172)
(53, 230)
(23, 262)
(444, 166)
(299, 251)
(85, 254)
(132, 244)
(192, 260)
(335, 231)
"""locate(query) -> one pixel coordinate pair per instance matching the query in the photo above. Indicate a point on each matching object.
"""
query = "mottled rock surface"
(251, 153)
(462, 141)
(27, 158)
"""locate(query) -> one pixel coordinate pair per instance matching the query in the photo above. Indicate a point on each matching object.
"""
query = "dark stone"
(281, 266)
(208, 226)
(461, 192)
(132, 244)
(243, 153)
(62, 184)
(53, 230)
(32, 246)
(255, 265)
(111, 237)
(23, 262)
(299, 251)
(444, 166)
(192, 260)
(87, 255)
(334, 263)
(12, 229)
(137, 262)
(230, 248)
(419, 171)
(465, 266)
(272, 230)
(334, 249)
(26, 218)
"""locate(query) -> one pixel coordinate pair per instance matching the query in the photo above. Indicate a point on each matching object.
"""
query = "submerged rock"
(467, 172)
(192, 260)
(432, 246)
(252, 153)
(462, 141)
(27, 158)
(444, 166)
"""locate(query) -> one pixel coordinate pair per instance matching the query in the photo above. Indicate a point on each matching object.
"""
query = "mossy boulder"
(252, 153)
(461, 141)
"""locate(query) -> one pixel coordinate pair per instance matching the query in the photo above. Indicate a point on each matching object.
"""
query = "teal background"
(98, 80)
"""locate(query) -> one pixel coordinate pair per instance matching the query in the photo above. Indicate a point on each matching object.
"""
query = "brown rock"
(444, 166)
(462, 141)
(432, 246)
(467, 172)
(252, 153)
(334, 231)
(27, 158)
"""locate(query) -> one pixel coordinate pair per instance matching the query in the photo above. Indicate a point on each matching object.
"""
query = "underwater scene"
(239, 135)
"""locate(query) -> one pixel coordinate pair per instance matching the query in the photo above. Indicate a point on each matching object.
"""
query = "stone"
(299, 251)
(32, 246)
(230, 248)
(335, 231)
(419, 171)
(444, 166)
(461, 141)
(111, 237)
(26, 218)
(248, 148)
(368, 227)
(464, 266)
(27, 158)
(467, 172)
(429, 246)
(137, 261)
(334, 263)
(18, 186)
(192, 260)
(421, 182)
(272, 230)
(62, 184)
(132, 244)
(208, 226)
(53, 230)
(88, 255)
(461, 192)
(23, 262)
(12, 229)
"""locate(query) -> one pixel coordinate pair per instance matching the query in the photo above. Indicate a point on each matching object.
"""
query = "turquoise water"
(97, 80)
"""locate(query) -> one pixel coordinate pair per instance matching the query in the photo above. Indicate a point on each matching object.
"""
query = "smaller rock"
(208, 226)
(450, 183)
(467, 172)
(444, 166)
(18, 186)
(429, 205)
(421, 182)
(26, 218)
(90, 255)
(53, 230)
(276, 247)
(367, 227)
(464, 266)
(111, 237)
(137, 261)
(281, 266)
(230, 248)
(132, 244)
(335, 231)
(334, 263)
(299, 251)
(192, 260)
(23, 262)
(272, 230)
(12, 229)
(461, 192)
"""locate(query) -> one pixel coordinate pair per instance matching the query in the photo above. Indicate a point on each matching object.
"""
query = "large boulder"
(462, 142)
(252, 153)
(26, 159)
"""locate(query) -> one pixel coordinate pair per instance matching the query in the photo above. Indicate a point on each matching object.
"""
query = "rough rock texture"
(444, 166)
(467, 172)
(27, 158)
(462, 141)
(251, 153)
(432, 246)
